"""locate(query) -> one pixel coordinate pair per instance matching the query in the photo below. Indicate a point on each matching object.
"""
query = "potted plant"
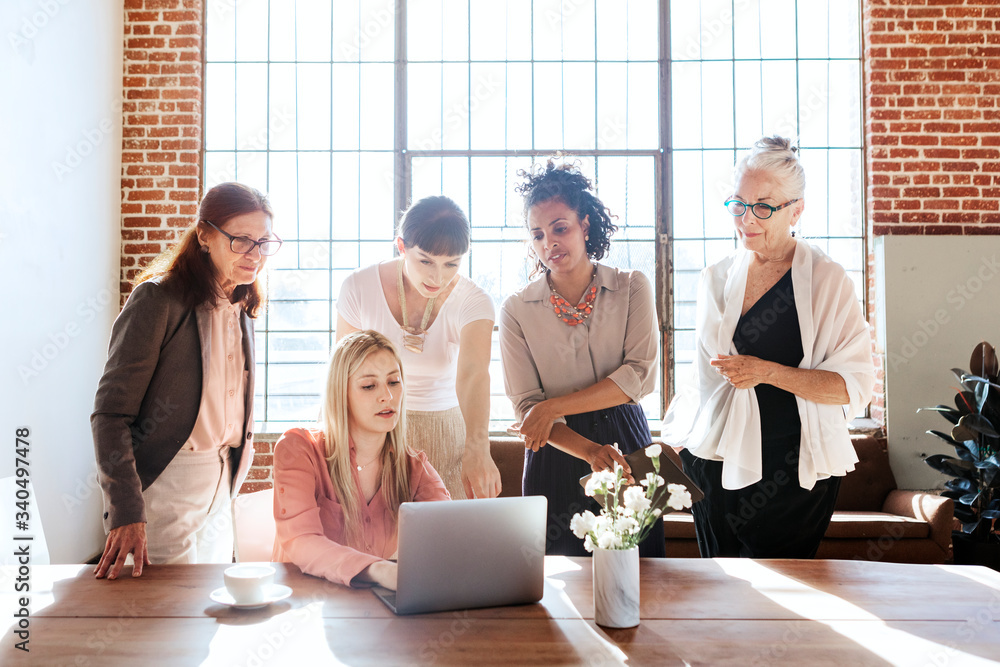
(975, 472)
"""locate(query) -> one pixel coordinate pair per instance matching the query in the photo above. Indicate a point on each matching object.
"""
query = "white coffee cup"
(249, 583)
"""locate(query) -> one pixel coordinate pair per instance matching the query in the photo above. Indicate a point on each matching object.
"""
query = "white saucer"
(277, 592)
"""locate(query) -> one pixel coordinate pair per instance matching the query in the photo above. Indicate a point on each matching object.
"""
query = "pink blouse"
(220, 414)
(310, 520)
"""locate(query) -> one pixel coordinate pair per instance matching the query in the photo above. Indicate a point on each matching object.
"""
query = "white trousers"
(188, 510)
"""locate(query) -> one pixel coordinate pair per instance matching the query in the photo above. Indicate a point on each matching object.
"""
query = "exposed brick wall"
(161, 145)
(261, 475)
(932, 83)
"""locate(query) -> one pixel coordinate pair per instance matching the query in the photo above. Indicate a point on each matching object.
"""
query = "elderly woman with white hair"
(784, 361)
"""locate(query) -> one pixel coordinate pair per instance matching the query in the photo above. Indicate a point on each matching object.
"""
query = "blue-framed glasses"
(760, 209)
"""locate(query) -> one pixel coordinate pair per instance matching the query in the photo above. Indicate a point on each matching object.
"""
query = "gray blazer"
(148, 398)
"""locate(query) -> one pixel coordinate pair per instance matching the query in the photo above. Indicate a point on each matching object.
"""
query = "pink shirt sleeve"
(309, 518)
(425, 482)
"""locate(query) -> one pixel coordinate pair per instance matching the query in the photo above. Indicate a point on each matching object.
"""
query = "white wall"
(60, 170)
(938, 296)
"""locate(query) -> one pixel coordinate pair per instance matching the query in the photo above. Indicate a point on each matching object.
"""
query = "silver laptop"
(463, 554)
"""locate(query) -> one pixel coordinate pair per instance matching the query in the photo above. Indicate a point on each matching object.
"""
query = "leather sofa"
(874, 520)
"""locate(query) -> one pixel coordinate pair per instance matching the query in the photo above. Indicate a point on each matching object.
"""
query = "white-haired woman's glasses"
(760, 209)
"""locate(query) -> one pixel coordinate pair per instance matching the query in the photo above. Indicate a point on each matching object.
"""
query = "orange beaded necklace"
(567, 312)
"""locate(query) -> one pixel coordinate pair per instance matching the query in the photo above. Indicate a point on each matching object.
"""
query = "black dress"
(776, 517)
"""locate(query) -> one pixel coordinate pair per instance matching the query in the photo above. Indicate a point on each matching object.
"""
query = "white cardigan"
(716, 421)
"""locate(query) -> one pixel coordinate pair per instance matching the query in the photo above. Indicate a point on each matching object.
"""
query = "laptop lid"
(463, 554)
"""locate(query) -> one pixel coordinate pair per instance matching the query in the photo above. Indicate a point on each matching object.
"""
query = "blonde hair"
(778, 157)
(347, 357)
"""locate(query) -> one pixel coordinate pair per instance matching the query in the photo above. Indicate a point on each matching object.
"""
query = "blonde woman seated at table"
(338, 487)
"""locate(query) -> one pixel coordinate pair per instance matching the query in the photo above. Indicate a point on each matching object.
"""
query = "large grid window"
(346, 111)
(741, 69)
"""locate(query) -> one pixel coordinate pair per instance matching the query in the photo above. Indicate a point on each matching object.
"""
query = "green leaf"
(976, 423)
(965, 401)
(951, 414)
(951, 466)
(968, 498)
(984, 360)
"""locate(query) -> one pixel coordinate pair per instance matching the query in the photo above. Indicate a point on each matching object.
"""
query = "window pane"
(314, 195)
(487, 106)
(548, 106)
(643, 29)
(612, 30)
(424, 30)
(578, 106)
(312, 30)
(376, 131)
(423, 107)
(375, 31)
(546, 27)
(220, 31)
(685, 107)
(376, 215)
(314, 106)
(251, 29)
(220, 95)
(578, 30)
(643, 106)
(251, 101)
(345, 114)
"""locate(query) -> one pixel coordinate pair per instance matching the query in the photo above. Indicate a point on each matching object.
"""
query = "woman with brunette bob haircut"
(338, 486)
(173, 415)
(442, 324)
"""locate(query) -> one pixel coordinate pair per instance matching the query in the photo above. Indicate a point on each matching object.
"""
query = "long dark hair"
(185, 268)
(564, 180)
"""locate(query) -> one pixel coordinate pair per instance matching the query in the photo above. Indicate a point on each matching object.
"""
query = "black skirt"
(556, 475)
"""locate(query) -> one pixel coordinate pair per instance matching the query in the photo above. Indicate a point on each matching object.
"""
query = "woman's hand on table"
(122, 541)
(741, 370)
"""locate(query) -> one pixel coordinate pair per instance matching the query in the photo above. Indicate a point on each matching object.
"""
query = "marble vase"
(616, 587)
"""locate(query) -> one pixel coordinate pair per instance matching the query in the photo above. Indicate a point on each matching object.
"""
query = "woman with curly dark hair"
(579, 350)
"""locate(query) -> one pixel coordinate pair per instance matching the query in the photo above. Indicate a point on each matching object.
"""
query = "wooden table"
(708, 612)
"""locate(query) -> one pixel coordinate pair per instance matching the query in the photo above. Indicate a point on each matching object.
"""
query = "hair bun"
(776, 144)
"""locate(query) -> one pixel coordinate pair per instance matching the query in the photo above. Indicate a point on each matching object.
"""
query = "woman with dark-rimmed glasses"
(173, 416)
(784, 362)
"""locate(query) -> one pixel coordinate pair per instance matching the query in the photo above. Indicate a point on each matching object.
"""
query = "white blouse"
(716, 421)
(430, 375)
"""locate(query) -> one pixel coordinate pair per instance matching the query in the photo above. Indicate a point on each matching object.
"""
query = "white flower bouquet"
(626, 516)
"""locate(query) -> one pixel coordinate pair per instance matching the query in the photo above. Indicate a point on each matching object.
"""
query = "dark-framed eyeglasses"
(760, 209)
(242, 245)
